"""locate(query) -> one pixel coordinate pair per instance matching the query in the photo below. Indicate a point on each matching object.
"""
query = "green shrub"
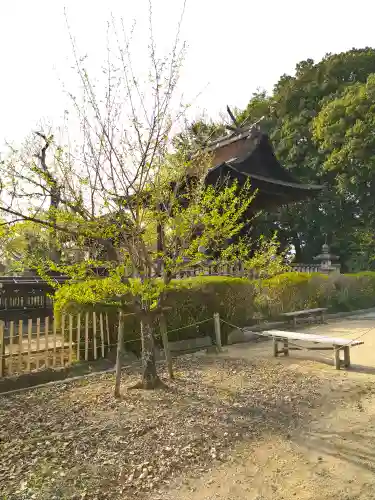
(353, 291)
(195, 300)
(191, 300)
(94, 295)
(286, 292)
(295, 291)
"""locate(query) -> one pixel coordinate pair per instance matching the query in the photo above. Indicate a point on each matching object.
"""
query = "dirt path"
(333, 456)
(247, 425)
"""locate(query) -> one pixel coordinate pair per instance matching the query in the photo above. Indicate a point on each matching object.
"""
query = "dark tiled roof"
(259, 164)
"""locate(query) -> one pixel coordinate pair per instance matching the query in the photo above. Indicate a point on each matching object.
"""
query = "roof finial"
(236, 126)
(325, 247)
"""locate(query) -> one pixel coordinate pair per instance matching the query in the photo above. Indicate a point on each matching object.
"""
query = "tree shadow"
(369, 370)
(324, 359)
(218, 415)
(356, 448)
(244, 409)
(355, 368)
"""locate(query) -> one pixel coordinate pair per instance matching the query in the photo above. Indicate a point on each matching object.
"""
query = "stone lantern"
(325, 260)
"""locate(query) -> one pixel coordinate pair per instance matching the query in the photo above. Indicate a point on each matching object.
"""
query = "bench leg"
(322, 317)
(275, 347)
(336, 358)
(294, 322)
(286, 347)
(346, 356)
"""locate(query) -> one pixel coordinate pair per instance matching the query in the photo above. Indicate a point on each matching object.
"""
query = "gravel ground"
(75, 441)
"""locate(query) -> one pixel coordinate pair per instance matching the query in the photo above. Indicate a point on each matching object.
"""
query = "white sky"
(235, 47)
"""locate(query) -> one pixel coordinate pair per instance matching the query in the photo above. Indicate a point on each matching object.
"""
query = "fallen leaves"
(74, 441)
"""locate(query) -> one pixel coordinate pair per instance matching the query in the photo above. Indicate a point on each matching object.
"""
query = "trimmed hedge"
(192, 300)
(237, 300)
(295, 291)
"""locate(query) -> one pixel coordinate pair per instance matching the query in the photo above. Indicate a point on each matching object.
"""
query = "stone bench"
(318, 312)
(328, 343)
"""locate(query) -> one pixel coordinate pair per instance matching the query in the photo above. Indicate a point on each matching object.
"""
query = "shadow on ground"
(212, 405)
(348, 446)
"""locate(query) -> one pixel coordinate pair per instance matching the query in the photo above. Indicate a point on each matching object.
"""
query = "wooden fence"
(28, 346)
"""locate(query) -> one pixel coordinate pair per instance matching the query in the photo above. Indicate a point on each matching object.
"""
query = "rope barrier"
(192, 324)
(91, 344)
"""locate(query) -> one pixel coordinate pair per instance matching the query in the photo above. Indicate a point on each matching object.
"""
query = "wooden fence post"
(20, 344)
(62, 336)
(217, 331)
(10, 362)
(29, 343)
(37, 342)
(46, 340)
(87, 336)
(164, 336)
(70, 339)
(54, 328)
(78, 336)
(95, 352)
(107, 330)
(2, 350)
(102, 333)
(120, 341)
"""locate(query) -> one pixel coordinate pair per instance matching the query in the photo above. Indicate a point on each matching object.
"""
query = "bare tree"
(122, 177)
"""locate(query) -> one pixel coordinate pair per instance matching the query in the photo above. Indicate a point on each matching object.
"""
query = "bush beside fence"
(192, 300)
(295, 291)
(237, 300)
(85, 328)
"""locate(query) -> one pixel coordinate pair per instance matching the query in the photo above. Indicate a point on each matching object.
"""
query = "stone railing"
(238, 270)
(315, 268)
(234, 269)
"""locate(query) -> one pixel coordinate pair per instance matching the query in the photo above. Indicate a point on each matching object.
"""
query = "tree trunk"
(54, 250)
(111, 252)
(150, 378)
